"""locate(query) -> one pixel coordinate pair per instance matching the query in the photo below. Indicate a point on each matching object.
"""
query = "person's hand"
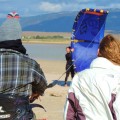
(33, 97)
(72, 50)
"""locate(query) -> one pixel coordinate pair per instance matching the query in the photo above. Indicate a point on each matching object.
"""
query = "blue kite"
(88, 30)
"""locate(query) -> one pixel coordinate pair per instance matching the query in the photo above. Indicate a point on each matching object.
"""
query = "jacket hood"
(104, 63)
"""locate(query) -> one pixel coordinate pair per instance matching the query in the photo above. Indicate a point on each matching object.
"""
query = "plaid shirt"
(17, 70)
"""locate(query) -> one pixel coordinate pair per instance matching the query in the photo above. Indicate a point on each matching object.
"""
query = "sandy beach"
(54, 98)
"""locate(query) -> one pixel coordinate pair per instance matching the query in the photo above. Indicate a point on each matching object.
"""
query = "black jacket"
(68, 57)
(14, 45)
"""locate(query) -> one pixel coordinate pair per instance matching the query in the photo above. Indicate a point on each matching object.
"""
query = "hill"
(54, 22)
(63, 22)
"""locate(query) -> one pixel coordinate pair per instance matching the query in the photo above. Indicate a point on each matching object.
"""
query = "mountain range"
(63, 22)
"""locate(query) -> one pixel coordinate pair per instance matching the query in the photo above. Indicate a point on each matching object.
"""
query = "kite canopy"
(88, 30)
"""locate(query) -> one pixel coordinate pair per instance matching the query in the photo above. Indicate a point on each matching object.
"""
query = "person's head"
(11, 33)
(110, 48)
(68, 49)
(11, 28)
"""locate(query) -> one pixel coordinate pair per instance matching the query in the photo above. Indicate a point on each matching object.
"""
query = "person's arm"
(70, 107)
(66, 57)
(72, 110)
(116, 103)
(39, 84)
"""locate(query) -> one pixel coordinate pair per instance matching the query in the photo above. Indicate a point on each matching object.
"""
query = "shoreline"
(65, 40)
(66, 37)
(39, 42)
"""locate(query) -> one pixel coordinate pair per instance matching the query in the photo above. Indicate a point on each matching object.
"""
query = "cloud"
(114, 5)
(55, 7)
(110, 6)
(84, 1)
(37, 7)
(50, 7)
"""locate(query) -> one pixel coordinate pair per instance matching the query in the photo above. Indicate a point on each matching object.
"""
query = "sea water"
(46, 51)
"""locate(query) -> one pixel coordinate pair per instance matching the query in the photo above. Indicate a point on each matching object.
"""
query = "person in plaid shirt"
(21, 78)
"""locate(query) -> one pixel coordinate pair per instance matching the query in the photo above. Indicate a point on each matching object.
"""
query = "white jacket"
(94, 93)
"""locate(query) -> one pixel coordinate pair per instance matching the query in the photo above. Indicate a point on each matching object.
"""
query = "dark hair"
(68, 47)
(110, 48)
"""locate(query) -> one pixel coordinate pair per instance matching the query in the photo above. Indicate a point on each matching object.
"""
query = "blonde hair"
(110, 48)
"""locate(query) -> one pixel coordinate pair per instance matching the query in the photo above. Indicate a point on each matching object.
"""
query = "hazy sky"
(36, 7)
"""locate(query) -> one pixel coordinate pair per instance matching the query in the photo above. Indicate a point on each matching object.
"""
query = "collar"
(11, 51)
